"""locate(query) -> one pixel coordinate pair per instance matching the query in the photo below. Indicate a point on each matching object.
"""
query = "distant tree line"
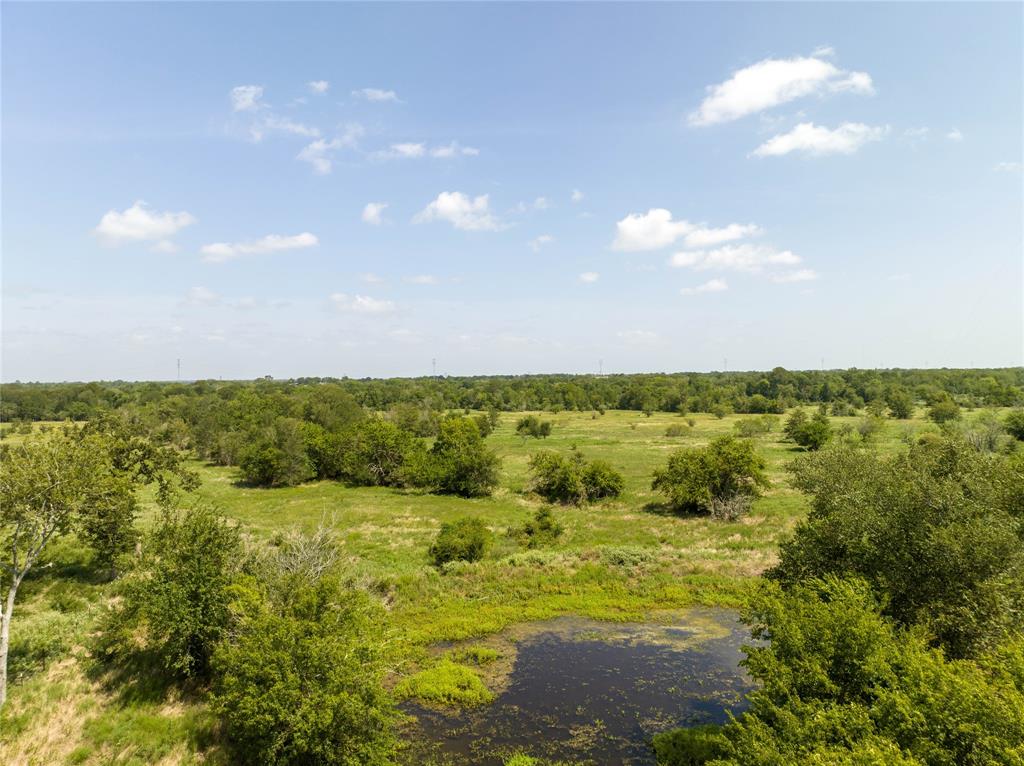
(412, 399)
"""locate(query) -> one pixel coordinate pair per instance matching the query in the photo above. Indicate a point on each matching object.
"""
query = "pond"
(594, 692)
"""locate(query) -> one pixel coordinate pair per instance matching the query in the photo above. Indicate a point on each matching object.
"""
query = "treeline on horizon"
(713, 392)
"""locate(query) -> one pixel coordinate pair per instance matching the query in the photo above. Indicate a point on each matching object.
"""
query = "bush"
(936, 531)
(676, 430)
(446, 683)
(901, 404)
(460, 462)
(301, 680)
(697, 477)
(1014, 424)
(689, 747)
(541, 530)
(572, 479)
(465, 539)
(278, 459)
(175, 606)
(811, 434)
(944, 411)
(377, 453)
(531, 425)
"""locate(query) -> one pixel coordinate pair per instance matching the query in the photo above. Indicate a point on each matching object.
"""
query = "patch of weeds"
(446, 683)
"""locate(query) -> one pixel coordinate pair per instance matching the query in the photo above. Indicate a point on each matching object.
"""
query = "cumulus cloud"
(772, 82)
(361, 304)
(1008, 167)
(319, 86)
(745, 257)
(589, 277)
(373, 213)
(246, 98)
(218, 252)
(576, 196)
(282, 125)
(538, 242)
(656, 229)
(955, 135)
(711, 286)
(816, 140)
(418, 149)
(375, 94)
(138, 224)
(461, 211)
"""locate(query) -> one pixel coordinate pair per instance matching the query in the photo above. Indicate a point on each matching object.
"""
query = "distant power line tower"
(179, 369)
(433, 368)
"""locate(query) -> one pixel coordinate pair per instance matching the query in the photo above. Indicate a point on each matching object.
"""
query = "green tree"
(944, 410)
(697, 477)
(301, 680)
(572, 479)
(1014, 424)
(461, 463)
(901, 404)
(465, 539)
(174, 607)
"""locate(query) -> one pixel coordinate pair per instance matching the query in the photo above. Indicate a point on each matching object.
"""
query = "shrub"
(460, 462)
(531, 425)
(572, 479)
(1014, 424)
(675, 430)
(692, 746)
(901, 404)
(541, 530)
(446, 683)
(301, 680)
(465, 539)
(944, 411)
(175, 607)
(377, 453)
(811, 434)
(695, 477)
(279, 458)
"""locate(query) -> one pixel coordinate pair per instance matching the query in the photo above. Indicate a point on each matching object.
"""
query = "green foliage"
(750, 427)
(944, 410)
(676, 430)
(1014, 424)
(377, 453)
(692, 746)
(174, 607)
(695, 477)
(937, 532)
(460, 461)
(840, 684)
(301, 680)
(901, 404)
(539, 531)
(573, 479)
(465, 539)
(446, 683)
(812, 433)
(279, 458)
(531, 425)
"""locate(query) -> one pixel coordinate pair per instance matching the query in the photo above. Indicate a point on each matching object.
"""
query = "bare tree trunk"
(5, 641)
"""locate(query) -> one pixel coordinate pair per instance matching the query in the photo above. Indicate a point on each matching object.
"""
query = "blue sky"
(322, 189)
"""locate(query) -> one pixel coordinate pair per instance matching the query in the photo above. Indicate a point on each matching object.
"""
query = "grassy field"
(617, 560)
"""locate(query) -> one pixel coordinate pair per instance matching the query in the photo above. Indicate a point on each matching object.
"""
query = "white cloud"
(138, 223)
(372, 279)
(745, 257)
(656, 229)
(461, 211)
(817, 140)
(800, 275)
(361, 304)
(652, 230)
(955, 135)
(218, 252)
(422, 279)
(246, 98)
(202, 296)
(454, 149)
(576, 196)
(320, 153)
(541, 203)
(373, 213)
(711, 286)
(408, 150)
(319, 86)
(771, 82)
(589, 277)
(282, 125)
(702, 236)
(376, 94)
(538, 242)
(1008, 167)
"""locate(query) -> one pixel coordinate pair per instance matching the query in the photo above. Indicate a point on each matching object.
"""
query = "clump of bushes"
(541, 530)
(718, 478)
(573, 479)
(465, 539)
(810, 433)
(676, 430)
(1014, 424)
(748, 427)
(944, 410)
(446, 683)
(531, 425)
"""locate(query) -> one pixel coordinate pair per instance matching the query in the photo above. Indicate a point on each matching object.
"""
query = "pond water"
(595, 692)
